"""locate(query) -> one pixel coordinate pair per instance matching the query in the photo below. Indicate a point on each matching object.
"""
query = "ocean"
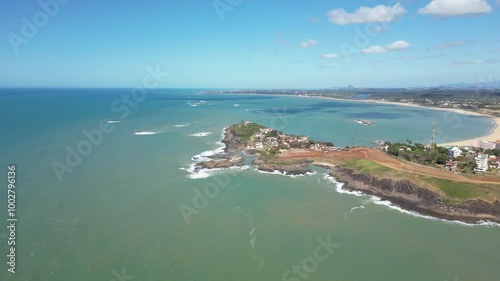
(105, 192)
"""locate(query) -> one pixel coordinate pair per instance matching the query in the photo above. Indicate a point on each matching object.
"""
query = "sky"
(249, 43)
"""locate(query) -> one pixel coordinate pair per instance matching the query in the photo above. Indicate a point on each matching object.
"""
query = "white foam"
(378, 201)
(181, 125)
(277, 172)
(338, 186)
(236, 105)
(145, 133)
(253, 237)
(113, 121)
(201, 134)
(206, 173)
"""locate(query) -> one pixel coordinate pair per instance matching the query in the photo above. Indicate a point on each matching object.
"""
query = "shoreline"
(403, 193)
(492, 135)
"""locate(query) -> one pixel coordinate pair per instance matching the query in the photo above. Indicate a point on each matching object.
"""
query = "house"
(454, 152)
(494, 162)
(451, 166)
(482, 163)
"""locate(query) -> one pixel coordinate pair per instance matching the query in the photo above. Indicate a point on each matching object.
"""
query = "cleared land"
(456, 187)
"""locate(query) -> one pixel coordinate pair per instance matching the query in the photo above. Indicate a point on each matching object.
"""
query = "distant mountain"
(471, 86)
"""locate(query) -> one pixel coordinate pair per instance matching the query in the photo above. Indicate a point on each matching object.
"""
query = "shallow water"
(119, 209)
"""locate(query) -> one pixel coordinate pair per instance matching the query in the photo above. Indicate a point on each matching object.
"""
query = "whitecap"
(194, 173)
(201, 134)
(181, 125)
(277, 172)
(113, 121)
(236, 105)
(145, 133)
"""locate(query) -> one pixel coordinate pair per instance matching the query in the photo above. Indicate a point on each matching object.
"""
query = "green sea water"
(120, 212)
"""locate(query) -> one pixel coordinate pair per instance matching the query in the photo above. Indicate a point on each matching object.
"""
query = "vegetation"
(456, 192)
(418, 153)
(268, 153)
(245, 131)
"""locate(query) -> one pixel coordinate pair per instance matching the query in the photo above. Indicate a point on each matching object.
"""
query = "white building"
(482, 163)
(454, 152)
(486, 144)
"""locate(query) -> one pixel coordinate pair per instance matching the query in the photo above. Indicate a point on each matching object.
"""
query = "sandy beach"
(493, 135)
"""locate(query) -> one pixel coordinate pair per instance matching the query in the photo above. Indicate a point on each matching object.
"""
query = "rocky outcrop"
(232, 141)
(221, 161)
(410, 196)
(290, 168)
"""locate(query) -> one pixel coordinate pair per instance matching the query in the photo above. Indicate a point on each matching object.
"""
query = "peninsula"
(426, 190)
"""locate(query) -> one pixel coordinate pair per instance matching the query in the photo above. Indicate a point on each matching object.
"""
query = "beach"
(493, 135)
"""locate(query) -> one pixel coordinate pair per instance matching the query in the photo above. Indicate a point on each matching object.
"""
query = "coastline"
(493, 135)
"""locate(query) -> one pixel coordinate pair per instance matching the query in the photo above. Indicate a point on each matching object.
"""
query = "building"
(454, 152)
(494, 162)
(451, 166)
(482, 163)
(486, 144)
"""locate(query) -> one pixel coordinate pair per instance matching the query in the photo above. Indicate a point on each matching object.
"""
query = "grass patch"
(460, 191)
(269, 154)
(456, 192)
(366, 166)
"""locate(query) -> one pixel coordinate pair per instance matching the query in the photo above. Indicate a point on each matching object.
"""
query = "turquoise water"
(119, 209)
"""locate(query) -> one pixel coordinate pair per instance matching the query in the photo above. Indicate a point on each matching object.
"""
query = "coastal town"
(483, 158)
(429, 179)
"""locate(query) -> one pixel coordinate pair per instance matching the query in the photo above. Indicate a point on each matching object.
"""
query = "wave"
(253, 237)
(202, 134)
(236, 105)
(277, 172)
(338, 186)
(113, 121)
(194, 173)
(205, 154)
(378, 201)
(196, 103)
(182, 125)
(145, 133)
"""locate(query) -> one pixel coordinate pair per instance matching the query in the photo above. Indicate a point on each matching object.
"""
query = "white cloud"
(380, 13)
(395, 46)
(330, 56)
(309, 43)
(398, 45)
(450, 8)
(374, 50)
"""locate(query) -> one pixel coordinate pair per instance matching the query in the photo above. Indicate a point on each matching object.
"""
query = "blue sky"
(249, 43)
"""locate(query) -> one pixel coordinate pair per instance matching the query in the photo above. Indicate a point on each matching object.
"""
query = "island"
(373, 171)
